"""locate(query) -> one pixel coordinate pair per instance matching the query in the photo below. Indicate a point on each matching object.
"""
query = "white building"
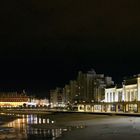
(38, 102)
(125, 98)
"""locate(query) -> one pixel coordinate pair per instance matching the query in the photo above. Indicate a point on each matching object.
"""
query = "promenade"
(52, 111)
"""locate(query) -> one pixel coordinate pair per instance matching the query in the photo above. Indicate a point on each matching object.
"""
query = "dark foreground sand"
(7, 118)
(108, 128)
(96, 127)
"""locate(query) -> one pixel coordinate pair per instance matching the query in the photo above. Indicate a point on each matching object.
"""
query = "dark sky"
(44, 43)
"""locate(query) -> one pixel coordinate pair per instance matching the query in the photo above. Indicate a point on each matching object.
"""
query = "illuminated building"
(34, 102)
(13, 99)
(125, 98)
(56, 97)
(70, 92)
(87, 88)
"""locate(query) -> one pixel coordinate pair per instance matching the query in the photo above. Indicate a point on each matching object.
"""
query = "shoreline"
(46, 111)
(94, 127)
(111, 127)
(89, 126)
(65, 121)
(4, 118)
(100, 113)
(25, 111)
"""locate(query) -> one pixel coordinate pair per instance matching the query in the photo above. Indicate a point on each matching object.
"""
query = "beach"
(112, 127)
(98, 127)
(5, 118)
(81, 126)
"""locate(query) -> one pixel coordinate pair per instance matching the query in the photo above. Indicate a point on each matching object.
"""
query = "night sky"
(44, 43)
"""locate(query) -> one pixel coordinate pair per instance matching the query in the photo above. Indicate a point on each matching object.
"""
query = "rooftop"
(130, 81)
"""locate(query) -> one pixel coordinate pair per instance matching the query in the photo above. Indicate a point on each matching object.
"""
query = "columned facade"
(13, 99)
(127, 97)
(124, 98)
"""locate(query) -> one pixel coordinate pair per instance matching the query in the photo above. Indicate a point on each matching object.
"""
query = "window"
(132, 96)
(128, 96)
(135, 95)
(107, 95)
(120, 96)
(113, 96)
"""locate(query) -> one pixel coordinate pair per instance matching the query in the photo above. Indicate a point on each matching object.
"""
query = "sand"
(95, 127)
(25, 111)
(111, 128)
(7, 118)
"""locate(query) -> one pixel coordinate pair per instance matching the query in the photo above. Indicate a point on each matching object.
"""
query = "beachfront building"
(35, 102)
(125, 98)
(13, 99)
(91, 86)
(56, 98)
(87, 88)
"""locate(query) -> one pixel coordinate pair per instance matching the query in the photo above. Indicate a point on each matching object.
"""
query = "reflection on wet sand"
(34, 127)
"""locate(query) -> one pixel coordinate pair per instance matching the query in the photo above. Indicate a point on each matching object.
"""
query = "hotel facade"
(13, 99)
(124, 98)
(88, 87)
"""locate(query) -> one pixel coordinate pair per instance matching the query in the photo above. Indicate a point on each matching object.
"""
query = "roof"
(118, 86)
(111, 86)
(130, 81)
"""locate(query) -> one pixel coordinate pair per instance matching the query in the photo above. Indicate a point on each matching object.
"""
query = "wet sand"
(108, 128)
(91, 126)
(7, 118)
(64, 120)
(98, 127)
(27, 111)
